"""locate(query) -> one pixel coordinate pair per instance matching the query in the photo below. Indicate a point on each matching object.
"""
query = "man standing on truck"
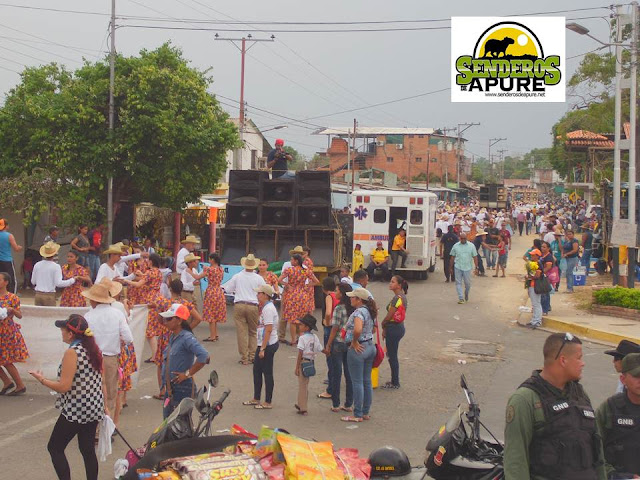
(379, 259)
(277, 161)
(398, 249)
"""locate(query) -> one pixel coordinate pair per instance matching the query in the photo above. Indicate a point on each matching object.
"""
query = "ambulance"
(378, 215)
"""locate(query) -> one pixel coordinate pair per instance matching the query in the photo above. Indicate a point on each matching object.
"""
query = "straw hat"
(297, 250)
(49, 249)
(361, 293)
(481, 232)
(114, 249)
(266, 289)
(114, 287)
(249, 262)
(190, 258)
(99, 293)
(191, 239)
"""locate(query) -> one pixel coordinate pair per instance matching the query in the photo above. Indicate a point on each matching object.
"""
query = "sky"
(308, 74)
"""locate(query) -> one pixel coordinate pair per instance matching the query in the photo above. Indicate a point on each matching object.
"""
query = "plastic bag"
(268, 443)
(309, 460)
(273, 471)
(352, 466)
(107, 427)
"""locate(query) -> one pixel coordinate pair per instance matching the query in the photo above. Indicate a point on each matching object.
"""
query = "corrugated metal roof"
(371, 131)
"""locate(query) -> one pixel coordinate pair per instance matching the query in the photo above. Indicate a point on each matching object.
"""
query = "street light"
(582, 30)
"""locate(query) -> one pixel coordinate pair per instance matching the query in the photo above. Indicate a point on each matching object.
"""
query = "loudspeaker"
(322, 244)
(278, 191)
(313, 216)
(242, 215)
(314, 187)
(244, 186)
(233, 245)
(484, 194)
(276, 216)
(288, 240)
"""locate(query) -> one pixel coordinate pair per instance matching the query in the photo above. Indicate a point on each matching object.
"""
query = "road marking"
(26, 417)
(11, 439)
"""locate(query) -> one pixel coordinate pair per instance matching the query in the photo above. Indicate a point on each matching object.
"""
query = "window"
(379, 216)
(434, 159)
(416, 217)
(389, 159)
(410, 136)
(420, 136)
(418, 159)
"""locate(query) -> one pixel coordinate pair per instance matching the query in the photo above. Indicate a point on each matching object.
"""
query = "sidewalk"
(565, 316)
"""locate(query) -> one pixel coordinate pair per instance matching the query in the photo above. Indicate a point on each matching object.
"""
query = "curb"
(600, 336)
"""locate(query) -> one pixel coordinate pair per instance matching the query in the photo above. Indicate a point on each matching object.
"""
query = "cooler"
(579, 276)
(374, 377)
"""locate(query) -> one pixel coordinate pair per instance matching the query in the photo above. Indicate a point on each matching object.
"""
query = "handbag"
(554, 274)
(308, 369)
(377, 360)
(542, 285)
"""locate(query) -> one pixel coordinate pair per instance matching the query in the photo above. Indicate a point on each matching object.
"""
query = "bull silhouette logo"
(508, 60)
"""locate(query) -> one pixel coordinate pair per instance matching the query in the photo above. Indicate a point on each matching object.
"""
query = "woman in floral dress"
(270, 278)
(294, 300)
(214, 309)
(134, 294)
(309, 290)
(150, 282)
(12, 346)
(72, 295)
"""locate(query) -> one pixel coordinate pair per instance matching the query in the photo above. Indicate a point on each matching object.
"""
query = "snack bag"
(268, 443)
(308, 460)
(353, 467)
(238, 430)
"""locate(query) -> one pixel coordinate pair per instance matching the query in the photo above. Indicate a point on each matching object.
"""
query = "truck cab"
(378, 215)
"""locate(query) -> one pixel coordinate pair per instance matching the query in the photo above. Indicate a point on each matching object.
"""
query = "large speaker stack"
(278, 213)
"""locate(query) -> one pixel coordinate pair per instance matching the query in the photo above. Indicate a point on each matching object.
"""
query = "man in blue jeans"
(570, 254)
(464, 259)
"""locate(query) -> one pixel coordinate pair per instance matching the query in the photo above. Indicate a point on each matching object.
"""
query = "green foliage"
(168, 146)
(618, 297)
(299, 161)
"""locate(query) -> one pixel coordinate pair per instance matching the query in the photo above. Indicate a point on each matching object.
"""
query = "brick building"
(407, 152)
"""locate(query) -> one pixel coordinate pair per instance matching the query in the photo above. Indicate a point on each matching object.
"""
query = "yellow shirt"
(379, 255)
(623, 255)
(398, 242)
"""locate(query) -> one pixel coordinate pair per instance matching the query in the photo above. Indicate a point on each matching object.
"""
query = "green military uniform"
(618, 421)
(526, 423)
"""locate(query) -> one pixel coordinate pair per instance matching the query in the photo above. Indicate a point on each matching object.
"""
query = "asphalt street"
(444, 340)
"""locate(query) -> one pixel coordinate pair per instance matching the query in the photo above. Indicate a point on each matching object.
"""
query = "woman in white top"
(267, 336)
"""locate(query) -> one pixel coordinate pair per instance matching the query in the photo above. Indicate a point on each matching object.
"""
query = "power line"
(77, 49)
(43, 50)
(9, 70)
(48, 42)
(24, 54)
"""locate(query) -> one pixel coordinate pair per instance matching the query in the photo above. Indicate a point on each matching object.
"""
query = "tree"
(299, 161)
(168, 146)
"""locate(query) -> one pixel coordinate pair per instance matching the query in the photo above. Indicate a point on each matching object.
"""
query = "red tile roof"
(585, 138)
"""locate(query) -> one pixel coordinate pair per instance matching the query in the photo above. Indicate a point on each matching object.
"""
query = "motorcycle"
(459, 452)
(177, 436)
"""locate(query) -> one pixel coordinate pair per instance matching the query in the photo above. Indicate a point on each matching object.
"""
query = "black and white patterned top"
(84, 402)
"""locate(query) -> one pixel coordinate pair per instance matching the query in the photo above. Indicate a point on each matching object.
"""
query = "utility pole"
(349, 169)
(492, 142)
(112, 81)
(428, 164)
(237, 154)
(460, 132)
(501, 152)
(631, 191)
(446, 142)
(353, 177)
(618, 119)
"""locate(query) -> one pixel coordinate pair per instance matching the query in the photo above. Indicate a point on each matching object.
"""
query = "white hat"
(177, 310)
(361, 293)
(266, 289)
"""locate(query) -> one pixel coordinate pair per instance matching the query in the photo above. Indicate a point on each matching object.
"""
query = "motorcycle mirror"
(213, 378)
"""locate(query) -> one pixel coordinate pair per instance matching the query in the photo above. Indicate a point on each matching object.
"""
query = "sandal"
(366, 417)
(15, 393)
(301, 412)
(209, 339)
(336, 409)
(347, 409)
(351, 419)
(158, 396)
(251, 402)
(263, 406)
(7, 388)
(149, 360)
(324, 395)
(244, 362)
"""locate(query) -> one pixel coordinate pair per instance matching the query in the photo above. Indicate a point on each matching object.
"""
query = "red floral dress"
(12, 346)
(151, 294)
(294, 299)
(308, 288)
(128, 364)
(214, 308)
(271, 279)
(135, 293)
(163, 339)
(72, 295)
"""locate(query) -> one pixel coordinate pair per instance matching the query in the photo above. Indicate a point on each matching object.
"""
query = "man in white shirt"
(122, 264)
(186, 277)
(47, 275)
(109, 269)
(109, 326)
(443, 223)
(188, 246)
(245, 306)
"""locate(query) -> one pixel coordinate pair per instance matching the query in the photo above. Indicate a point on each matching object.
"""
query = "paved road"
(499, 356)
